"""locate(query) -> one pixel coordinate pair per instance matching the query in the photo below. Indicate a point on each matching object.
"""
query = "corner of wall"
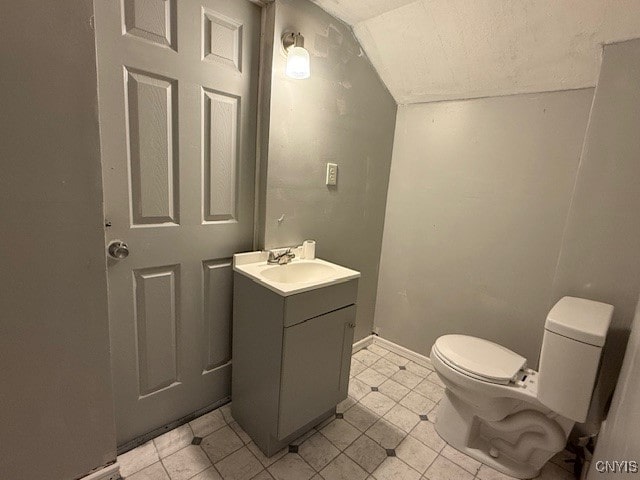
(268, 21)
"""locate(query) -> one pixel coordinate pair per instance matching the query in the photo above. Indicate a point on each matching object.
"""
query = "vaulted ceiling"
(430, 50)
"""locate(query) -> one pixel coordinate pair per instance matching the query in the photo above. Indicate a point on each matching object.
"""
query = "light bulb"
(298, 65)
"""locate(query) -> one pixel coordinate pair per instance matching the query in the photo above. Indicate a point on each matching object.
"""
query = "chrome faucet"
(280, 256)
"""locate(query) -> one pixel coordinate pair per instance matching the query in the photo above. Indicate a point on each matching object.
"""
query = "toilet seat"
(479, 358)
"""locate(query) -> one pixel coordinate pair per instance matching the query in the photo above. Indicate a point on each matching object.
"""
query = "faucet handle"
(286, 256)
(281, 255)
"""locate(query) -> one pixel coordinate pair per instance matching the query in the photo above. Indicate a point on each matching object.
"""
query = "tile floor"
(383, 431)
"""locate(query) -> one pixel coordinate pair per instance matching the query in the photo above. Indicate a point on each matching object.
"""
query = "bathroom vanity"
(292, 337)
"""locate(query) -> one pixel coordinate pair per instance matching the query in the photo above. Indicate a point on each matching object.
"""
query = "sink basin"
(298, 276)
(298, 272)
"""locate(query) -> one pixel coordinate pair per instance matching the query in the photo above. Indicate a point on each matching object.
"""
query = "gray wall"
(342, 114)
(620, 437)
(56, 418)
(478, 198)
(600, 256)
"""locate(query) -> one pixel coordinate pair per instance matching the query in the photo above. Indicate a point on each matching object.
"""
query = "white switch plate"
(332, 173)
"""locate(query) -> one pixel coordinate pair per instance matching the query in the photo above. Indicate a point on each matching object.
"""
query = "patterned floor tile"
(471, 465)
(366, 357)
(357, 367)
(310, 433)
(360, 417)
(221, 443)
(395, 469)
(377, 349)
(208, 423)
(426, 433)
(318, 451)
(186, 463)
(392, 399)
(240, 465)
(430, 390)
(393, 390)
(135, 460)
(371, 377)
(345, 405)
(225, 410)
(262, 458)
(417, 403)
(386, 434)
(415, 454)
(343, 468)
(341, 433)
(366, 453)
(244, 436)
(402, 417)
(358, 389)
(406, 378)
(377, 402)
(152, 472)
(551, 471)
(487, 473)
(263, 475)
(420, 370)
(291, 467)
(209, 474)
(433, 377)
(444, 469)
(385, 367)
(397, 359)
(173, 440)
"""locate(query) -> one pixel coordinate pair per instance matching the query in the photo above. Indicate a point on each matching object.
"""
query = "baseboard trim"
(110, 472)
(405, 352)
(360, 344)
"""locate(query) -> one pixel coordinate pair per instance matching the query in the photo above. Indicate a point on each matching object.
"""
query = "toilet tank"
(574, 335)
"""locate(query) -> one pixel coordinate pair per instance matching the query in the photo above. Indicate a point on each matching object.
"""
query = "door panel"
(151, 20)
(156, 320)
(218, 310)
(177, 91)
(222, 39)
(151, 109)
(220, 155)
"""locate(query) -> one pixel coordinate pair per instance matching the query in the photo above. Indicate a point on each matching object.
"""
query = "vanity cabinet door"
(316, 359)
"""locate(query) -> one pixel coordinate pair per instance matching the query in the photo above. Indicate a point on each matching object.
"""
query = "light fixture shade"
(298, 65)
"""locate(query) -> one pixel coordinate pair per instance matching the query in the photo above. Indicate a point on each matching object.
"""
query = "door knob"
(118, 249)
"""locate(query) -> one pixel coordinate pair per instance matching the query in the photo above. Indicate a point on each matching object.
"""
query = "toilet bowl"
(508, 416)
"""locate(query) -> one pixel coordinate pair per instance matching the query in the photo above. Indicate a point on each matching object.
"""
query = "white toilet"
(508, 416)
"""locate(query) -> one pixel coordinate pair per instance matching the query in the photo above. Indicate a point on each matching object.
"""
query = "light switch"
(332, 173)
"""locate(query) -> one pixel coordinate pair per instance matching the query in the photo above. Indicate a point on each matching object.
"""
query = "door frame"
(265, 67)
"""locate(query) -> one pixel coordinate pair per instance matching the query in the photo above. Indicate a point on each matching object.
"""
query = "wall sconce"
(297, 56)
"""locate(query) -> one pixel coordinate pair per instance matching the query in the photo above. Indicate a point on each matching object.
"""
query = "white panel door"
(177, 88)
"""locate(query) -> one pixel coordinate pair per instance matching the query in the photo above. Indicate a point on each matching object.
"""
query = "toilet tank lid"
(580, 319)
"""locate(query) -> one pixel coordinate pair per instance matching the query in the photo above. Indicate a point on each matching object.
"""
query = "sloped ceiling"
(430, 50)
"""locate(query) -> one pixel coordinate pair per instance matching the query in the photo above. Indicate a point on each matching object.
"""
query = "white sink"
(295, 277)
(298, 272)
